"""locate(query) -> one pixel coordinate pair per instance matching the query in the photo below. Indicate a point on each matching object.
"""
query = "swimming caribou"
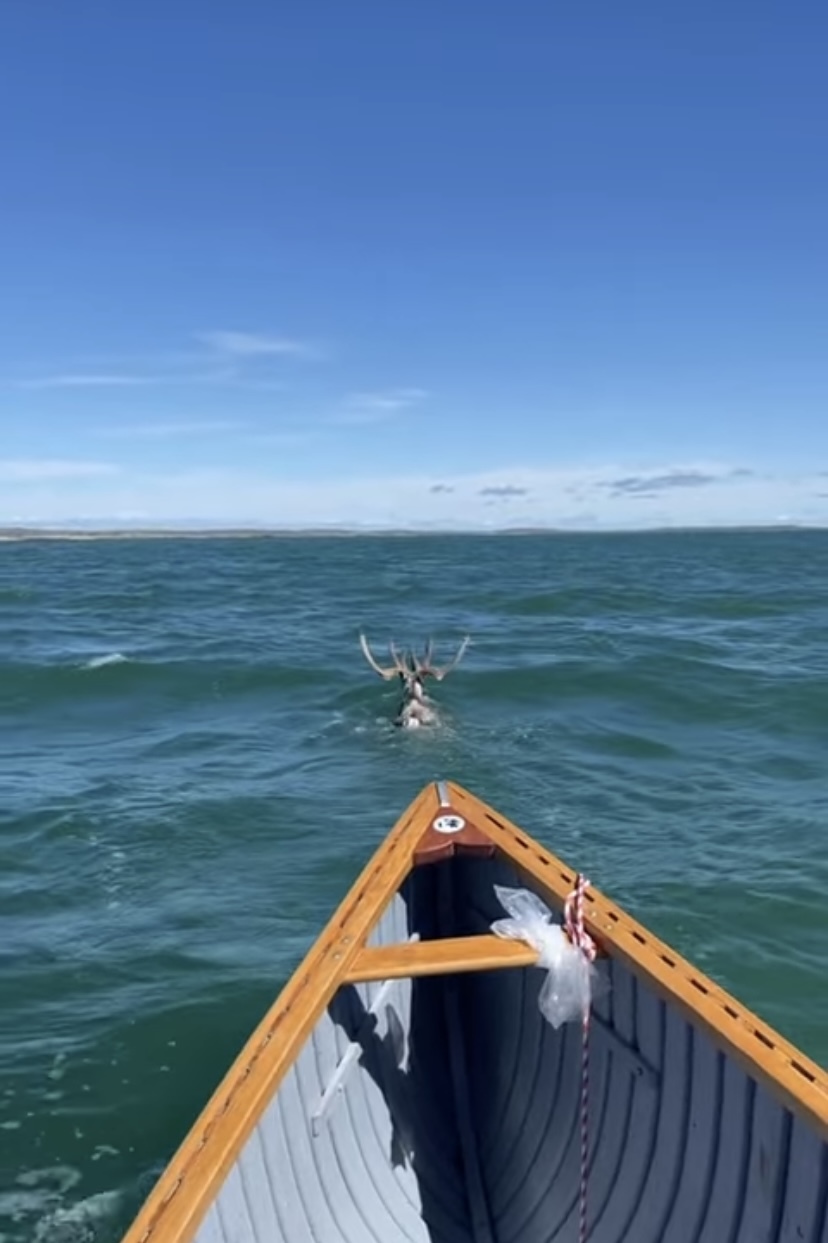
(416, 708)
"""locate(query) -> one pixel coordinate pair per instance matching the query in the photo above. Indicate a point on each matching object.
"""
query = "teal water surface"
(195, 761)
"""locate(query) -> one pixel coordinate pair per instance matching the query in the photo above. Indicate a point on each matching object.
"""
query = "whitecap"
(41, 1193)
(62, 1177)
(112, 658)
(77, 1223)
(105, 1150)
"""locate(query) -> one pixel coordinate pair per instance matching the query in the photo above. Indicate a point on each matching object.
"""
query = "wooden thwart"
(439, 957)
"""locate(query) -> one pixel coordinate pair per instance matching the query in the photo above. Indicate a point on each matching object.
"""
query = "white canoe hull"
(445, 1109)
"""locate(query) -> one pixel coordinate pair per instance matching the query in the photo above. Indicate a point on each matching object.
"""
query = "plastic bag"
(566, 992)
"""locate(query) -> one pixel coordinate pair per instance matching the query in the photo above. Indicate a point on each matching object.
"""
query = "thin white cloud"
(115, 379)
(389, 400)
(87, 380)
(378, 406)
(173, 430)
(38, 470)
(220, 359)
(255, 345)
(281, 440)
(261, 386)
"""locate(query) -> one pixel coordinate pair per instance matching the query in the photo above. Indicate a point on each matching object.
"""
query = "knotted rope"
(578, 935)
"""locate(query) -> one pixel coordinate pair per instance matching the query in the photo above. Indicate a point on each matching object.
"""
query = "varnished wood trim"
(787, 1073)
(183, 1193)
(440, 957)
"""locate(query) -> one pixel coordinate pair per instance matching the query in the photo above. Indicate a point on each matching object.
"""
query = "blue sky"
(437, 264)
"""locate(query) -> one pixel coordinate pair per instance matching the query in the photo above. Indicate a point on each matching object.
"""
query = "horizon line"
(13, 533)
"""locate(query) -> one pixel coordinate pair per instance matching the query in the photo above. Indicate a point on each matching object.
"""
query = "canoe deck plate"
(449, 834)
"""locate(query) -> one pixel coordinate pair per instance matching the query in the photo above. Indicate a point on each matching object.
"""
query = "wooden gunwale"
(799, 1083)
(184, 1192)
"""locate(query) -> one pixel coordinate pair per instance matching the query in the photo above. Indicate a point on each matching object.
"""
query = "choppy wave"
(81, 1222)
(40, 1208)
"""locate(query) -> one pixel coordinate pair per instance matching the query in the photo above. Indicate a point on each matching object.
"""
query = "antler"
(426, 667)
(422, 666)
(386, 673)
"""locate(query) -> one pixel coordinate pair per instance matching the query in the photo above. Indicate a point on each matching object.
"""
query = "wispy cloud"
(39, 470)
(87, 380)
(388, 401)
(377, 407)
(652, 485)
(255, 345)
(116, 379)
(171, 431)
(221, 357)
(503, 492)
(281, 440)
(441, 489)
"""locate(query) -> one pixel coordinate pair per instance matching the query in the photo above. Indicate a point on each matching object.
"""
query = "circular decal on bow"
(449, 824)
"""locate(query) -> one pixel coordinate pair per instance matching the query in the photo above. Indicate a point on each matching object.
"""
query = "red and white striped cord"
(578, 935)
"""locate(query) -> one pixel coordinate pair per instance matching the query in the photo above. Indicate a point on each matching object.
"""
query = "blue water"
(195, 761)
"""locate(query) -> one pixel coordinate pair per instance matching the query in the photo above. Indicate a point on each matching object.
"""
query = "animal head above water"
(416, 708)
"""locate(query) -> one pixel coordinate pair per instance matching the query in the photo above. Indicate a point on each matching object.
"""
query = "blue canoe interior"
(406, 1086)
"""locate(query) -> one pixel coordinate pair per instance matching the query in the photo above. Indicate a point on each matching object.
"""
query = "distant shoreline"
(14, 535)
